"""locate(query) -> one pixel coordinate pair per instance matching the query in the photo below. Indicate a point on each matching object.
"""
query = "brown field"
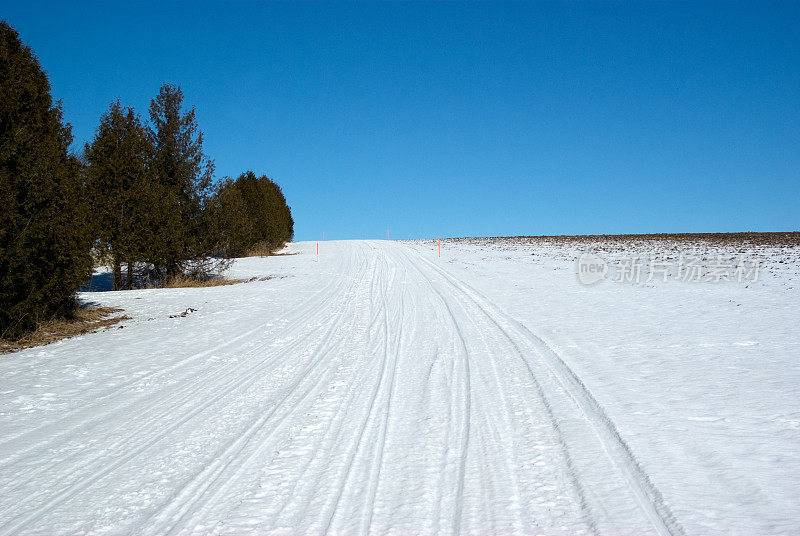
(196, 282)
(787, 239)
(86, 319)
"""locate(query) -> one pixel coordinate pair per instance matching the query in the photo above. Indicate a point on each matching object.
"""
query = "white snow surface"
(383, 389)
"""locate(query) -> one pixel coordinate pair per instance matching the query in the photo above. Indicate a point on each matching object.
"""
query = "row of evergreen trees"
(141, 197)
(250, 214)
(148, 185)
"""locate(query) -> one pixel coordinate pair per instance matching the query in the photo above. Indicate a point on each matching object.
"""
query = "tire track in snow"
(319, 454)
(468, 303)
(98, 468)
(650, 499)
(188, 506)
(377, 461)
(463, 425)
(21, 445)
(226, 379)
(201, 484)
(96, 474)
(473, 463)
(334, 426)
(382, 282)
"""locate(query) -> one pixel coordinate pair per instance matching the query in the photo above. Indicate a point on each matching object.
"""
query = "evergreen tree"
(119, 184)
(231, 222)
(284, 223)
(251, 213)
(182, 180)
(44, 239)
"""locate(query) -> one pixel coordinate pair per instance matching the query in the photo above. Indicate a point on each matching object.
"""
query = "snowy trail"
(391, 398)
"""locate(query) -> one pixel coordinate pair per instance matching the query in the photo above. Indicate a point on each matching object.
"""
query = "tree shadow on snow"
(100, 282)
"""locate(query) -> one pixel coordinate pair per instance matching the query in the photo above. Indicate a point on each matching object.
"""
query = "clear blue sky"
(450, 119)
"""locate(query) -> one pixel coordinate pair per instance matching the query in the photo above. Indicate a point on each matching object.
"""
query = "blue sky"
(449, 119)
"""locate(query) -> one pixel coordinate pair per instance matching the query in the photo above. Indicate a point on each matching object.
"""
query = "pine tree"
(283, 215)
(228, 214)
(44, 239)
(182, 179)
(251, 213)
(119, 184)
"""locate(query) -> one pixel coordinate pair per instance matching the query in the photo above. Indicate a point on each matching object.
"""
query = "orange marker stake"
(387, 234)
(440, 247)
(317, 251)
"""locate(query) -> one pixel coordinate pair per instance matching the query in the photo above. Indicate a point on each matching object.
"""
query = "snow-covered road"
(370, 392)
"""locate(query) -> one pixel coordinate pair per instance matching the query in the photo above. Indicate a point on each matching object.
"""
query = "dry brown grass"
(83, 320)
(185, 281)
(262, 249)
(774, 239)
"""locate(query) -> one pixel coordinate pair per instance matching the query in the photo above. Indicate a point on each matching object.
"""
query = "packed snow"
(380, 388)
